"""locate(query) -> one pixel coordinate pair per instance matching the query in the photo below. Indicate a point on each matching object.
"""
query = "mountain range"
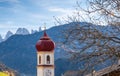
(19, 52)
(20, 31)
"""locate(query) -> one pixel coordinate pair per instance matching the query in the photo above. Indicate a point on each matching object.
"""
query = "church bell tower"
(45, 56)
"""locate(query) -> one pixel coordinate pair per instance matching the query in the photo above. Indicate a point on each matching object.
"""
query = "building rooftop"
(105, 71)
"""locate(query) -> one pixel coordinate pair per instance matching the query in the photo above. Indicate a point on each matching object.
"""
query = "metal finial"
(45, 34)
(44, 26)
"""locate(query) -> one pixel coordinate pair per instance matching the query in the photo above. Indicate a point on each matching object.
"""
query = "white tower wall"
(44, 68)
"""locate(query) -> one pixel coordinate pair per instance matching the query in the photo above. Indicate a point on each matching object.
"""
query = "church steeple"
(45, 34)
(45, 56)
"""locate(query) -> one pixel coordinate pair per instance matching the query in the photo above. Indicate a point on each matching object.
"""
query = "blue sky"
(32, 14)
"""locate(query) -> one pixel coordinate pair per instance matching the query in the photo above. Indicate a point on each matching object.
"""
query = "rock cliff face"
(1, 38)
(9, 33)
(33, 31)
(22, 31)
(19, 31)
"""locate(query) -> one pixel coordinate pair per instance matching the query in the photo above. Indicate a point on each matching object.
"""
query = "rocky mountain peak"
(22, 31)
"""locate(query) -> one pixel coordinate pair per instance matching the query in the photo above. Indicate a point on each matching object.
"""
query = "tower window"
(39, 59)
(48, 59)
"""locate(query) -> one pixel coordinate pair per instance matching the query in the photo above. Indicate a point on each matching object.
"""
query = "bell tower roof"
(45, 43)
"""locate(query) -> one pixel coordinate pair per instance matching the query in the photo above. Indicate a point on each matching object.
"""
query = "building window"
(39, 59)
(48, 59)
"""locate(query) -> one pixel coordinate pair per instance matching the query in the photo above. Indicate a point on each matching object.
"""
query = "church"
(45, 56)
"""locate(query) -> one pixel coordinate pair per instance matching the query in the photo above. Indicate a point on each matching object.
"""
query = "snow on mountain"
(40, 29)
(8, 34)
(33, 31)
(1, 38)
(22, 31)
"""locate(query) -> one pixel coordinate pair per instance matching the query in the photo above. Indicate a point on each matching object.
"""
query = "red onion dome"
(45, 44)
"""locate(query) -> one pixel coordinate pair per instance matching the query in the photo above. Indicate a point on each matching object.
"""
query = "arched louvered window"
(48, 59)
(39, 59)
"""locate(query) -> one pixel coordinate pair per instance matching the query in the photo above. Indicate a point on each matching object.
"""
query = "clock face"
(48, 72)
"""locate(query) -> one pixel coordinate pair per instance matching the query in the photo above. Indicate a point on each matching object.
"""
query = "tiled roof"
(105, 70)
